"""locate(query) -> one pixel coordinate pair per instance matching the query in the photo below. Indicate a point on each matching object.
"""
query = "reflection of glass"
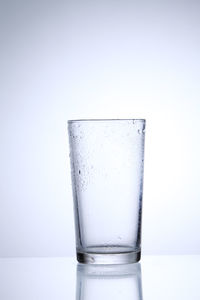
(109, 282)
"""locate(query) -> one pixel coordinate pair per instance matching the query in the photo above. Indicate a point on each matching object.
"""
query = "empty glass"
(107, 159)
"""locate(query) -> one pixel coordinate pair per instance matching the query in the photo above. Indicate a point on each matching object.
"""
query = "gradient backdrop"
(73, 59)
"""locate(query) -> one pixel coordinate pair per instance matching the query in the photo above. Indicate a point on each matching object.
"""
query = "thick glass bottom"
(108, 258)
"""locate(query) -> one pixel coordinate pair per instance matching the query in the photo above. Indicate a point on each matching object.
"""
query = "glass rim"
(104, 120)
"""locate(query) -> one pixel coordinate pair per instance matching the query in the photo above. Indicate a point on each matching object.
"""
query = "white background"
(65, 60)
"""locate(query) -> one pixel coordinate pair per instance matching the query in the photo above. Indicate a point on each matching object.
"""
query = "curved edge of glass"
(105, 120)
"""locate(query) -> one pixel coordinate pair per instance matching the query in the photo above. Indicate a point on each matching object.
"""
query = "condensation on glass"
(107, 158)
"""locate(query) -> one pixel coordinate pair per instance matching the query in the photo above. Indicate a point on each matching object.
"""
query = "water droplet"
(133, 121)
(119, 237)
(92, 259)
(79, 171)
(139, 131)
(143, 131)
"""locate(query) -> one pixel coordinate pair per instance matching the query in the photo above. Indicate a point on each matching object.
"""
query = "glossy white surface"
(161, 277)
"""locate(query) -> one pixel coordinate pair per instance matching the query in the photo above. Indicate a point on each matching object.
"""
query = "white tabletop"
(156, 277)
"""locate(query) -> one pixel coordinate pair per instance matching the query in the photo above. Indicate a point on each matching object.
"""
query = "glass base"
(108, 258)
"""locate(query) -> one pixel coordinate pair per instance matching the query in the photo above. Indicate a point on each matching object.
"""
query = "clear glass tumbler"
(107, 158)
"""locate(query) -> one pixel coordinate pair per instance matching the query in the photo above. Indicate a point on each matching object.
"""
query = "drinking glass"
(107, 158)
